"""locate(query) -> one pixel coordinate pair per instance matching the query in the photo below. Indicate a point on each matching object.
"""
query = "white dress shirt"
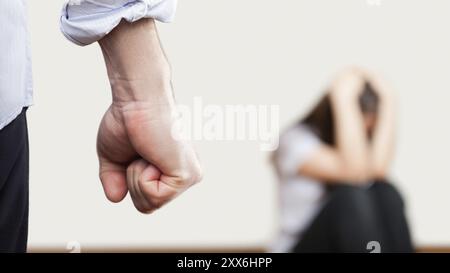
(15, 61)
(82, 22)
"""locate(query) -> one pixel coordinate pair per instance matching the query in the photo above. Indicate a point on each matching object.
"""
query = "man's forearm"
(137, 66)
(136, 147)
(143, 99)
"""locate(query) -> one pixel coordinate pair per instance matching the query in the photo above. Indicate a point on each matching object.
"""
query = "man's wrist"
(137, 67)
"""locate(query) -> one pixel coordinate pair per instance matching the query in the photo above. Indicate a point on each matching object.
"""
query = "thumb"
(113, 177)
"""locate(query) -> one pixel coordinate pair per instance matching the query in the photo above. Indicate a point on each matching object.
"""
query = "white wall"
(238, 52)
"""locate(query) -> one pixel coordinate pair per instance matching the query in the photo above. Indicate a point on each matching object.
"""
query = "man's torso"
(15, 60)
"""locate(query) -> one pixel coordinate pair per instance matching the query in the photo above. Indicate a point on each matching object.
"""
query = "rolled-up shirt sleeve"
(86, 21)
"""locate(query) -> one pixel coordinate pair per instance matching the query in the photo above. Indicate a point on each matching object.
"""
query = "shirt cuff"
(84, 22)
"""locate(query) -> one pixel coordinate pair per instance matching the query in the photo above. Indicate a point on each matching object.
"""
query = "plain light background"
(238, 52)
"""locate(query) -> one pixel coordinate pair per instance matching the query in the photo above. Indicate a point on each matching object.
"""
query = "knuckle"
(191, 177)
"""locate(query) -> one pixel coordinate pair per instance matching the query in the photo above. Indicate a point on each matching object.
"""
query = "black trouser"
(355, 216)
(14, 185)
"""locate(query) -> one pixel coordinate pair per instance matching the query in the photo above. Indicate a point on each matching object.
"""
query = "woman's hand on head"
(348, 83)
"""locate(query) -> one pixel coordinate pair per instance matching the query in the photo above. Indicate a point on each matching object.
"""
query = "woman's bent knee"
(388, 194)
(353, 203)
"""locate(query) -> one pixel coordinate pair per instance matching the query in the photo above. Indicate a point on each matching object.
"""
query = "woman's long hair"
(321, 119)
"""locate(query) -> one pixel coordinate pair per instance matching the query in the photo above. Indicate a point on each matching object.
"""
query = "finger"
(131, 188)
(150, 172)
(133, 173)
(113, 178)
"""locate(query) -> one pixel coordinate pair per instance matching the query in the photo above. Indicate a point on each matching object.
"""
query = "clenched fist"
(136, 148)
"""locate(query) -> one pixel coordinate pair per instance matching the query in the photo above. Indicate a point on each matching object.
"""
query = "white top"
(300, 198)
(82, 22)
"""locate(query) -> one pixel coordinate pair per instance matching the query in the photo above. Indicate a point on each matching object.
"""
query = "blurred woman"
(333, 166)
